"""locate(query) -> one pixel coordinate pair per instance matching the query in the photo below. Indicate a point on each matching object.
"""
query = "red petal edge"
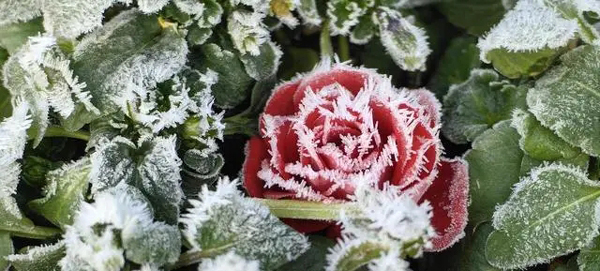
(448, 196)
(256, 152)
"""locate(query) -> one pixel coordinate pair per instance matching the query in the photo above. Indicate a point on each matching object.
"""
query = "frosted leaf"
(494, 167)
(224, 219)
(363, 31)
(553, 212)
(540, 142)
(264, 64)
(211, 15)
(13, 36)
(414, 3)
(13, 138)
(483, 14)
(122, 62)
(247, 31)
(588, 259)
(406, 43)
(39, 73)
(111, 164)
(151, 6)
(344, 14)
(229, 262)
(71, 18)
(64, 192)
(308, 12)
(566, 99)
(39, 258)
(159, 178)
(155, 243)
(475, 105)
(12, 11)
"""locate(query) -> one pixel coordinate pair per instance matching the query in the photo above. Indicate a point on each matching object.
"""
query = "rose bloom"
(324, 131)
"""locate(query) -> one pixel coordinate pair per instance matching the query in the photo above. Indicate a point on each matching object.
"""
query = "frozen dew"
(229, 262)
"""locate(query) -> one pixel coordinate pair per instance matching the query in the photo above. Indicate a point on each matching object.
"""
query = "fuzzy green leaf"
(358, 255)
(6, 248)
(344, 14)
(474, 106)
(15, 223)
(233, 84)
(314, 259)
(157, 243)
(482, 14)
(494, 167)
(566, 99)
(461, 56)
(472, 254)
(198, 170)
(265, 64)
(589, 257)
(308, 12)
(540, 142)
(364, 30)
(12, 36)
(553, 212)
(40, 258)
(66, 189)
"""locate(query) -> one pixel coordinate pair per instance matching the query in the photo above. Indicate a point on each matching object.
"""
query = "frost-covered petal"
(448, 195)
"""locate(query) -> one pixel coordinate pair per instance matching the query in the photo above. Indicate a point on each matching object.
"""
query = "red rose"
(322, 130)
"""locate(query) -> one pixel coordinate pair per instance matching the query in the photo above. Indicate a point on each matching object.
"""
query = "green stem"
(37, 232)
(312, 210)
(343, 48)
(57, 131)
(325, 41)
(194, 257)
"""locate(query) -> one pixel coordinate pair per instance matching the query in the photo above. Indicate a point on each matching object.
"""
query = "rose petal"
(431, 105)
(281, 102)
(256, 152)
(448, 196)
(353, 80)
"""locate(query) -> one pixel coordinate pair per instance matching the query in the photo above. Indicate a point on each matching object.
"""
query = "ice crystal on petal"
(229, 262)
(530, 26)
(223, 218)
(247, 31)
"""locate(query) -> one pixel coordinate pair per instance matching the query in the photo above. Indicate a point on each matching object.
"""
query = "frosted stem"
(325, 41)
(56, 131)
(343, 48)
(299, 209)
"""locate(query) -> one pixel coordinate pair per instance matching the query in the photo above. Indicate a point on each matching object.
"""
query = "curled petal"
(256, 152)
(281, 103)
(448, 196)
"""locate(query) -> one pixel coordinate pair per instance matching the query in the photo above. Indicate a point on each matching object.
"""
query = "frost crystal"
(12, 11)
(530, 26)
(388, 225)
(343, 15)
(94, 238)
(223, 218)
(247, 31)
(151, 6)
(229, 262)
(13, 138)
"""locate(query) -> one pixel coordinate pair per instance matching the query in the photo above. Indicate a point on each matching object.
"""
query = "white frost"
(229, 262)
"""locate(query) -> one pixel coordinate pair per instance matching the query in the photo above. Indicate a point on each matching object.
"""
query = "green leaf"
(233, 84)
(12, 36)
(343, 14)
(15, 223)
(66, 189)
(494, 167)
(265, 64)
(358, 255)
(157, 243)
(35, 168)
(581, 161)
(472, 255)
(198, 36)
(589, 257)
(540, 142)
(198, 170)
(40, 258)
(308, 12)
(314, 259)
(518, 64)
(364, 30)
(6, 248)
(296, 60)
(566, 99)
(405, 42)
(551, 213)
(461, 56)
(482, 14)
(474, 106)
